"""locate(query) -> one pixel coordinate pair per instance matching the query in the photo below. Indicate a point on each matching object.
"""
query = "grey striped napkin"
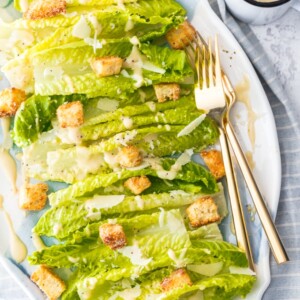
(285, 279)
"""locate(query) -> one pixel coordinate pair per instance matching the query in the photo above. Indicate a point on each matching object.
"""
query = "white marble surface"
(281, 40)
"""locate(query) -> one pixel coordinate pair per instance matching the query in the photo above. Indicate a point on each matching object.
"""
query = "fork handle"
(259, 203)
(235, 202)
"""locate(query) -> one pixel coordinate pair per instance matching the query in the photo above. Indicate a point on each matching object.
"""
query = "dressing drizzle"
(18, 249)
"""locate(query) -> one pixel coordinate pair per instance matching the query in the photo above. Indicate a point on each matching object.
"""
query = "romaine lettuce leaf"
(162, 168)
(82, 214)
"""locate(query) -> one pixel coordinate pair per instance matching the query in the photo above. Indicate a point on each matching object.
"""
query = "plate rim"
(274, 202)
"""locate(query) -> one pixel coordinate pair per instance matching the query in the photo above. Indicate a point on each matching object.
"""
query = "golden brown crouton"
(214, 161)
(167, 91)
(48, 282)
(203, 211)
(113, 235)
(180, 37)
(41, 9)
(177, 279)
(33, 196)
(129, 157)
(10, 101)
(137, 184)
(106, 66)
(70, 114)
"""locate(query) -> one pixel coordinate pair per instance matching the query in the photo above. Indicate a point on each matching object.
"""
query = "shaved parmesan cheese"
(238, 270)
(175, 224)
(97, 26)
(139, 201)
(135, 255)
(182, 160)
(192, 126)
(93, 42)
(206, 269)
(147, 65)
(129, 25)
(127, 122)
(161, 219)
(103, 201)
(81, 29)
(180, 261)
(107, 104)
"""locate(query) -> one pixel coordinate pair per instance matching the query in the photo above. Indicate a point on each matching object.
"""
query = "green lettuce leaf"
(58, 221)
(190, 172)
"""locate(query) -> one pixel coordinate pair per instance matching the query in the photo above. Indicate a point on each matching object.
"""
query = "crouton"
(70, 114)
(137, 184)
(167, 91)
(177, 279)
(48, 282)
(41, 9)
(113, 235)
(180, 37)
(33, 196)
(106, 66)
(129, 157)
(10, 101)
(214, 161)
(202, 212)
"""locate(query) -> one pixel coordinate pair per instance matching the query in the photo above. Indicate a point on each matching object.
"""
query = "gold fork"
(262, 211)
(275, 242)
(208, 89)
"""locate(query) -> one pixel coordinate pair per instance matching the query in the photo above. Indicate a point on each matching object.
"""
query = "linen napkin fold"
(285, 279)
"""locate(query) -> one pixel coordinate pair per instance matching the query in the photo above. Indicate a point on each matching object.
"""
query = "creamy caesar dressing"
(69, 135)
(7, 141)
(8, 167)
(124, 138)
(103, 201)
(250, 160)
(183, 159)
(38, 242)
(135, 255)
(87, 162)
(18, 249)
(243, 95)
